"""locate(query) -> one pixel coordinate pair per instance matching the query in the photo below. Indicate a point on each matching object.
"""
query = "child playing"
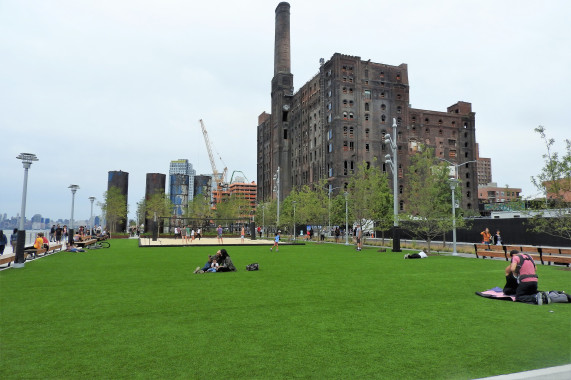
(276, 242)
(213, 267)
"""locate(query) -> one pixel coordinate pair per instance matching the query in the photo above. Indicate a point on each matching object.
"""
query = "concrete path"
(553, 373)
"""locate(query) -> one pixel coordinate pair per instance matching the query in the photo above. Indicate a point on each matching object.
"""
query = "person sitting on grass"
(206, 266)
(213, 267)
(225, 262)
(420, 255)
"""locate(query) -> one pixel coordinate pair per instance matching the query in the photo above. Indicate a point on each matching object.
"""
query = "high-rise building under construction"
(338, 120)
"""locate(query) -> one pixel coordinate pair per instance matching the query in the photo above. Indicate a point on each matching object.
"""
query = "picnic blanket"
(496, 293)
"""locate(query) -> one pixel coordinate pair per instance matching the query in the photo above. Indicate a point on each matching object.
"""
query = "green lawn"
(314, 311)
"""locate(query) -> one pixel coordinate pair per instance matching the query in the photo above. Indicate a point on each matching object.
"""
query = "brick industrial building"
(338, 118)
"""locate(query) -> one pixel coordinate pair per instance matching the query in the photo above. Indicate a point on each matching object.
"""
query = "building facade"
(492, 193)
(181, 184)
(484, 168)
(338, 120)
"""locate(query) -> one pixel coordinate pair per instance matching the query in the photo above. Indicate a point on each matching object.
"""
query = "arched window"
(366, 106)
(383, 118)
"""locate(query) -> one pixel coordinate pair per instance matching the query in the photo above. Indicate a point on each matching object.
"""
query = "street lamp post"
(91, 199)
(294, 202)
(453, 184)
(27, 159)
(393, 163)
(346, 220)
(277, 190)
(73, 191)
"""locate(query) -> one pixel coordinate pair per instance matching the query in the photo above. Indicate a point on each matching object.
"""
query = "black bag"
(253, 266)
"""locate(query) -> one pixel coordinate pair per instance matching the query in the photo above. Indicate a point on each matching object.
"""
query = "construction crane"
(218, 178)
(238, 171)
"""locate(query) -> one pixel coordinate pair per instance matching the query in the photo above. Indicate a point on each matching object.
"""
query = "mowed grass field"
(319, 311)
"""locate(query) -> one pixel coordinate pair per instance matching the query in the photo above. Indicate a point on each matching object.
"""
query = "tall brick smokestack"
(282, 61)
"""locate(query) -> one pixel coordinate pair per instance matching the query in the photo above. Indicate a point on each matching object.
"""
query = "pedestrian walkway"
(562, 372)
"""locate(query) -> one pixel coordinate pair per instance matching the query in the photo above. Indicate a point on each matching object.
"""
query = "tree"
(199, 208)
(311, 206)
(158, 203)
(234, 207)
(370, 197)
(429, 198)
(554, 182)
(114, 206)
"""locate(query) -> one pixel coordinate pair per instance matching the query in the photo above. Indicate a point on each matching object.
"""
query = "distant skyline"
(95, 86)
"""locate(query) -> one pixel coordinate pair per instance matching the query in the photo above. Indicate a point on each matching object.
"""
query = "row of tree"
(367, 201)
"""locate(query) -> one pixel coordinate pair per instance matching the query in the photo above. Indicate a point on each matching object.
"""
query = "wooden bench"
(85, 243)
(555, 255)
(34, 252)
(7, 260)
(486, 250)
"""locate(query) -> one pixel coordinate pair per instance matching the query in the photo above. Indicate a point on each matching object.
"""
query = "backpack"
(557, 296)
(253, 266)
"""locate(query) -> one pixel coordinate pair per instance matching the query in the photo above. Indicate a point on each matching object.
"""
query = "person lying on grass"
(420, 255)
(73, 248)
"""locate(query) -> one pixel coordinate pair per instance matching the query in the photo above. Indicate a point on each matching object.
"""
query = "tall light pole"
(27, 159)
(346, 220)
(73, 191)
(294, 202)
(277, 190)
(453, 183)
(91, 199)
(393, 163)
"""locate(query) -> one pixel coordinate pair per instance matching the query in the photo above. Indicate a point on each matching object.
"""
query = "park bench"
(486, 250)
(42, 251)
(85, 243)
(7, 260)
(560, 256)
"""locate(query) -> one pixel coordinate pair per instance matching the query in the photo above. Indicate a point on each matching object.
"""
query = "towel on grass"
(497, 294)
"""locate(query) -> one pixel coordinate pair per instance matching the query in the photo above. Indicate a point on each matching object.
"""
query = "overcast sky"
(91, 86)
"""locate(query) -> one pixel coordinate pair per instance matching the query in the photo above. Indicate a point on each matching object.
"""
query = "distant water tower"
(120, 180)
(156, 184)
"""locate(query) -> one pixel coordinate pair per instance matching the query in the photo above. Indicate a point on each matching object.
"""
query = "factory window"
(382, 74)
(344, 79)
(383, 118)
(401, 205)
(351, 115)
(345, 168)
(366, 147)
(468, 194)
(383, 107)
(399, 109)
(367, 107)
(400, 171)
(468, 175)
(384, 168)
(351, 145)
(367, 133)
(440, 132)
(468, 184)
(330, 147)
(382, 94)
(465, 125)
(400, 189)
(329, 94)
(345, 146)
(345, 115)
(345, 129)
(330, 172)
(440, 121)
(329, 134)
(350, 103)
(399, 96)
(366, 73)
(344, 90)
(398, 76)
(285, 133)
(366, 116)
(329, 118)
(466, 154)
(452, 153)
(351, 130)
(426, 120)
(399, 120)
(368, 164)
(352, 167)
(350, 90)
(367, 94)
(345, 102)
(329, 106)
(453, 123)
(451, 142)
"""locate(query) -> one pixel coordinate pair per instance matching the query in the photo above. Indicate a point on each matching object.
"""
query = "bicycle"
(99, 245)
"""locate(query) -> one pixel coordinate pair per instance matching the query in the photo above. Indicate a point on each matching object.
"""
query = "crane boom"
(219, 178)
